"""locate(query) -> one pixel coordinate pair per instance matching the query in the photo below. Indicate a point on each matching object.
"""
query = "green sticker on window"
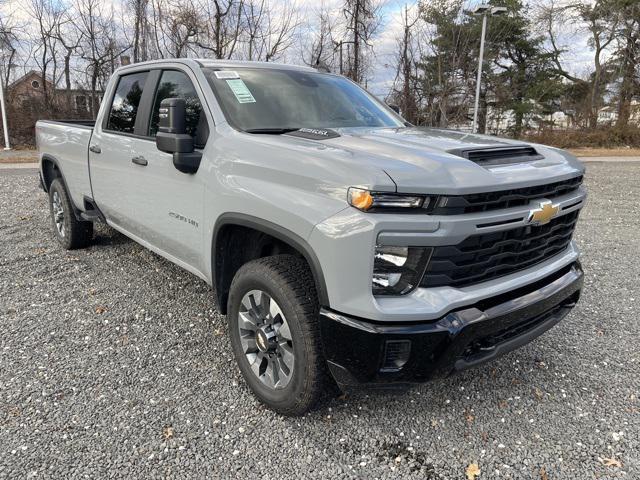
(240, 90)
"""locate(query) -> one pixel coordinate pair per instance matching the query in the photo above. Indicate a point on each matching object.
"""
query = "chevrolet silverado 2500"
(344, 244)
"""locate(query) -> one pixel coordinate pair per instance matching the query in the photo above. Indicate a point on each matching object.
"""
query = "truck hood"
(419, 160)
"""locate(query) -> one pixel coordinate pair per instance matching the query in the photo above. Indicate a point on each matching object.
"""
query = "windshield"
(268, 100)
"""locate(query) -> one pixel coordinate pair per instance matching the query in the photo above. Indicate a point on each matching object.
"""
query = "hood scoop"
(498, 155)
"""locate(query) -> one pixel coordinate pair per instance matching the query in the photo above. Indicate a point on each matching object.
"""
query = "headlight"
(398, 270)
(371, 201)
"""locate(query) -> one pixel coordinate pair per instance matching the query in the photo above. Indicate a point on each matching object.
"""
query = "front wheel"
(273, 325)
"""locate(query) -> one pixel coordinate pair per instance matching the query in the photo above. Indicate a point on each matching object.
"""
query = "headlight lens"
(370, 201)
(398, 270)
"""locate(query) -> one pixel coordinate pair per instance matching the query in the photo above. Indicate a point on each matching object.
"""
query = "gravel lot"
(115, 363)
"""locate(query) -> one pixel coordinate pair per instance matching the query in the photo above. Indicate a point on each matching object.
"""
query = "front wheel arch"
(224, 265)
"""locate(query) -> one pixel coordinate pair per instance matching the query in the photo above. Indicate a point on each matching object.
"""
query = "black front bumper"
(364, 352)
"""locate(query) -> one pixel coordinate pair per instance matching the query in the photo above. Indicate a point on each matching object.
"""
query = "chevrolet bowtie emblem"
(544, 213)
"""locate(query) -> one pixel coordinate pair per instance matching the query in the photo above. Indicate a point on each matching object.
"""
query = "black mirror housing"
(172, 136)
(395, 108)
(187, 162)
(174, 142)
(173, 116)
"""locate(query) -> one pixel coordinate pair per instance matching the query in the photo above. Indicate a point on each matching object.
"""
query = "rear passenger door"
(113, 144)
(147, 197)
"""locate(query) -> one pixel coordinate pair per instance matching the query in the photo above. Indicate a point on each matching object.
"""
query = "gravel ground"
(115, 363)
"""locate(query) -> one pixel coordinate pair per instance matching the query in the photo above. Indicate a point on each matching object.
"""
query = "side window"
(175, 84)
(122, 117)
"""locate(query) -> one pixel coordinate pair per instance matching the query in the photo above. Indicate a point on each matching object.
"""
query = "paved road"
(115, 363)
(18, 166)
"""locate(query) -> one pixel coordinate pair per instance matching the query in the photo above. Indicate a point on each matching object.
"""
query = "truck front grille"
(517, 197)
(487, 256)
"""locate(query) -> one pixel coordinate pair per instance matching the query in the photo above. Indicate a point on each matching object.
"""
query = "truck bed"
(75, 123)
(67, 144)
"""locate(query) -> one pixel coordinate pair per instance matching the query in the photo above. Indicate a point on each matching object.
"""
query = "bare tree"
(279, 29)
(321, 51)
(408, 102)
(362, 21)
(253, 17)
(8, 49)
(47, 17)
(157, 11)
(173, 29)
(221, 26)
(601, 23)
(181, 29)
(98, 46)
(628, 58)
(139, 9)
(69, 38)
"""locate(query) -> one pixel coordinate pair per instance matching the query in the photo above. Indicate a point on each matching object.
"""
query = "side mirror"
(172, 136)
(395, 108)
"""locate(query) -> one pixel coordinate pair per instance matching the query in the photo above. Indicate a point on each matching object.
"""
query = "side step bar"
(92, 213)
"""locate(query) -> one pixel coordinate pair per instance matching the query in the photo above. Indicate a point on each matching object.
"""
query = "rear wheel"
(69, 231)
(273, 325)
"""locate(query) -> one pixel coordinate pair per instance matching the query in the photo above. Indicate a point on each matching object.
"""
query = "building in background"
(32, 97)
(30, 90)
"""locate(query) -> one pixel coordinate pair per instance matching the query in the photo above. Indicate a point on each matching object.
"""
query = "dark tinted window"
(124, 108)
(175, 84)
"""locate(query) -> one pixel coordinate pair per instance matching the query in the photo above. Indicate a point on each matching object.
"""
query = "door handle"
(140, 161)
(95, 149)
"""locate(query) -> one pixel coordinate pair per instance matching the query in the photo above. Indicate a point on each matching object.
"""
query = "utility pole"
(338, 46)
(485, 11)
(5, 126)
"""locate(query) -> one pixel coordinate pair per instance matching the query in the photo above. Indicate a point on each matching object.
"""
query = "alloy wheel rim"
(266, 339)
(58, 213)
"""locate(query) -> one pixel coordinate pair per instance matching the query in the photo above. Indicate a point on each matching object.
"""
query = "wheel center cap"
(265, 339)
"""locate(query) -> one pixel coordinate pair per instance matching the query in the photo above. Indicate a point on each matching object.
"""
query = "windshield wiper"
(271, 131)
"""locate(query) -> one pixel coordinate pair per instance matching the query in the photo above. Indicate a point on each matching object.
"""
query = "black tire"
(287, 280)
(70, 232)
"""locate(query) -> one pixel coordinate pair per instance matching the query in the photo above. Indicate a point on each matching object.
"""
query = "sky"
(382, 71)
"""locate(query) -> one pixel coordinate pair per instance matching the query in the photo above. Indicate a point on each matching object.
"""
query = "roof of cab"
(210, 62)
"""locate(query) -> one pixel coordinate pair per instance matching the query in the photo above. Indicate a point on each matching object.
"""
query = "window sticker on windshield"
(240, 90)
(224, 74)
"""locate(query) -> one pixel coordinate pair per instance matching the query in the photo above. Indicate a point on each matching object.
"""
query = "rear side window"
(122, 117)
(176, 84)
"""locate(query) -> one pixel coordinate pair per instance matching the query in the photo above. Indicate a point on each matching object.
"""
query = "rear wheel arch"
(239, 238)
(50, 171)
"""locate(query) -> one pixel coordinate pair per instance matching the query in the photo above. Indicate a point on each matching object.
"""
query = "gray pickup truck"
(345, 245)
